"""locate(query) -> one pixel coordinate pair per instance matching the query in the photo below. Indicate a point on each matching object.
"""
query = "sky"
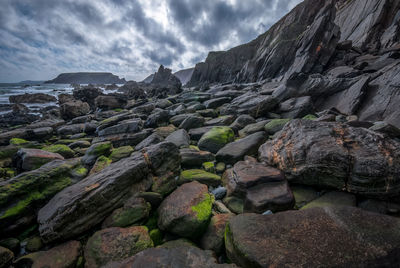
(41, 38)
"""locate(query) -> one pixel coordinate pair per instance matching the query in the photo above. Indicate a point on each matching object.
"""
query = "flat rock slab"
(316, 237)
(87, 203)
(179, 257)
(335, 155)
(30, 159)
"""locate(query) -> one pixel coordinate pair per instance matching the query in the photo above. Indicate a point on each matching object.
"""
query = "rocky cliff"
(87, 78)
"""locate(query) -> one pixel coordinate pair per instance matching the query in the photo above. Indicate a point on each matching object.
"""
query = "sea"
(8, 89)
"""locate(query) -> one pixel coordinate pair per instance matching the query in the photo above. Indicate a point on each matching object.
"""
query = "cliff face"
(87, 78)
(184, 75)
(304, 40)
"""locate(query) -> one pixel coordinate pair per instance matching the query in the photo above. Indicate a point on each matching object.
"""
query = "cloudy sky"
(42, 38)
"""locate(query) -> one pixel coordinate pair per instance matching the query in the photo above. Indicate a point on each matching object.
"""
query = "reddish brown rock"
(261, 187)
(316, 237)
(63, 256)
(213, 238)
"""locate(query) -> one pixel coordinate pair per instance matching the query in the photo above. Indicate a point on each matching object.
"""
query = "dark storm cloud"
(41, 38)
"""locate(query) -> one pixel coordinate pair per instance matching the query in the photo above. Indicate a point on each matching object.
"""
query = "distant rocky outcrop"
(184, 75)
(86, 78)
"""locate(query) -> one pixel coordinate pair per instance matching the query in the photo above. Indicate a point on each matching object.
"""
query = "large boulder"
(235, 151)
(127, 126)
(110, 102)
(260, 187)
(195, 158)
(87, 203)
(132, 90)
(23, 195)
(176, 257)
(63, 256)
(72, 109)
(87, 94)
(32, 98)
(216, 138)
(186, 211)
(316, 237)
(115, 244)
(336, 155)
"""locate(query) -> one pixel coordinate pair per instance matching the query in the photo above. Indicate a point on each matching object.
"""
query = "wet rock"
(150, 140)
(195, 158)
(180, 138)
(328, 237)
(30, 159)
(253, 128)
(332, 199)
(242, 121)
(213, 238)
(178, 257)
(32, 98)
(386, 128)
(120, 153)
(72, 109)
(196, 133)
(76, 129)
(224, 120)
(260, 187)
(235, 151)
(110, 102)
(32, 190)
(87, 94)
(219, 192)
(11, 244)
(296, 107)
(192, 121)
(134, 212)
(186, 211)
(129, 126)
(124, 139)
(216, 102)
(178, 119)
(199, 175)
(335, 155)
(216, 138)
(96, 150)
(157, 118)
(62, 256)
(101, 163)
(6, 257)
(275, 125)
(115, 244)
(70, 212)
(61, 149)
(303, 195)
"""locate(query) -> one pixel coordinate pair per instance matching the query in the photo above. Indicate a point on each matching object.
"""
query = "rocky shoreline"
(287, 171)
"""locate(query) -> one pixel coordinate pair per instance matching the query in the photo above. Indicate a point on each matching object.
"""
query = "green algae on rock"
(121, 152)
(61, 149)
(216, 138)
(199, 175)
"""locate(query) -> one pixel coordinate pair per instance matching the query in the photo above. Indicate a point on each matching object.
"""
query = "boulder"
(335, 155)
(70, 212)
(253, 128)
(216, 138)
(63, 256)
(260, 187)
(150, 140)
(6, 257)
(32, 98)
(333, 199)
(177, 257)
(180, 138)
(158, 118)
(195, 158)
(120, 153)
(235, 151)
(199, 175)
(132, 90)
(134, 212)
(186, 211)
(316, 237)
(128, 126)
(124, 139)
(96, 150)
(241, 122)
(196, 133)
(296, 107)
(224, 120)
(192, 121)
(213, 238)
(87, 94)
(30, 159)
(23, 195)
(275, 125)
(72, 109)
(217, 102)
(115, 244)
(110, 102)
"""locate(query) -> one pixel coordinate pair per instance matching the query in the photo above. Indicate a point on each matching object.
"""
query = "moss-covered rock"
(18, 142)
(234, 204)
(220, 167)
(116, 244)
(101, 163)
(134, 212)
(310, 117)
(209, 167)
(216, 138)
(333, 199)
(30, 159)
(61, 149)
(34, 244)
(6, 257)
(199, 175)
(164, 185)
(303, 195)
(275, 125)
(121, 152)
(157, 236)
(187, 211)
(21, 196)
(96, 150)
